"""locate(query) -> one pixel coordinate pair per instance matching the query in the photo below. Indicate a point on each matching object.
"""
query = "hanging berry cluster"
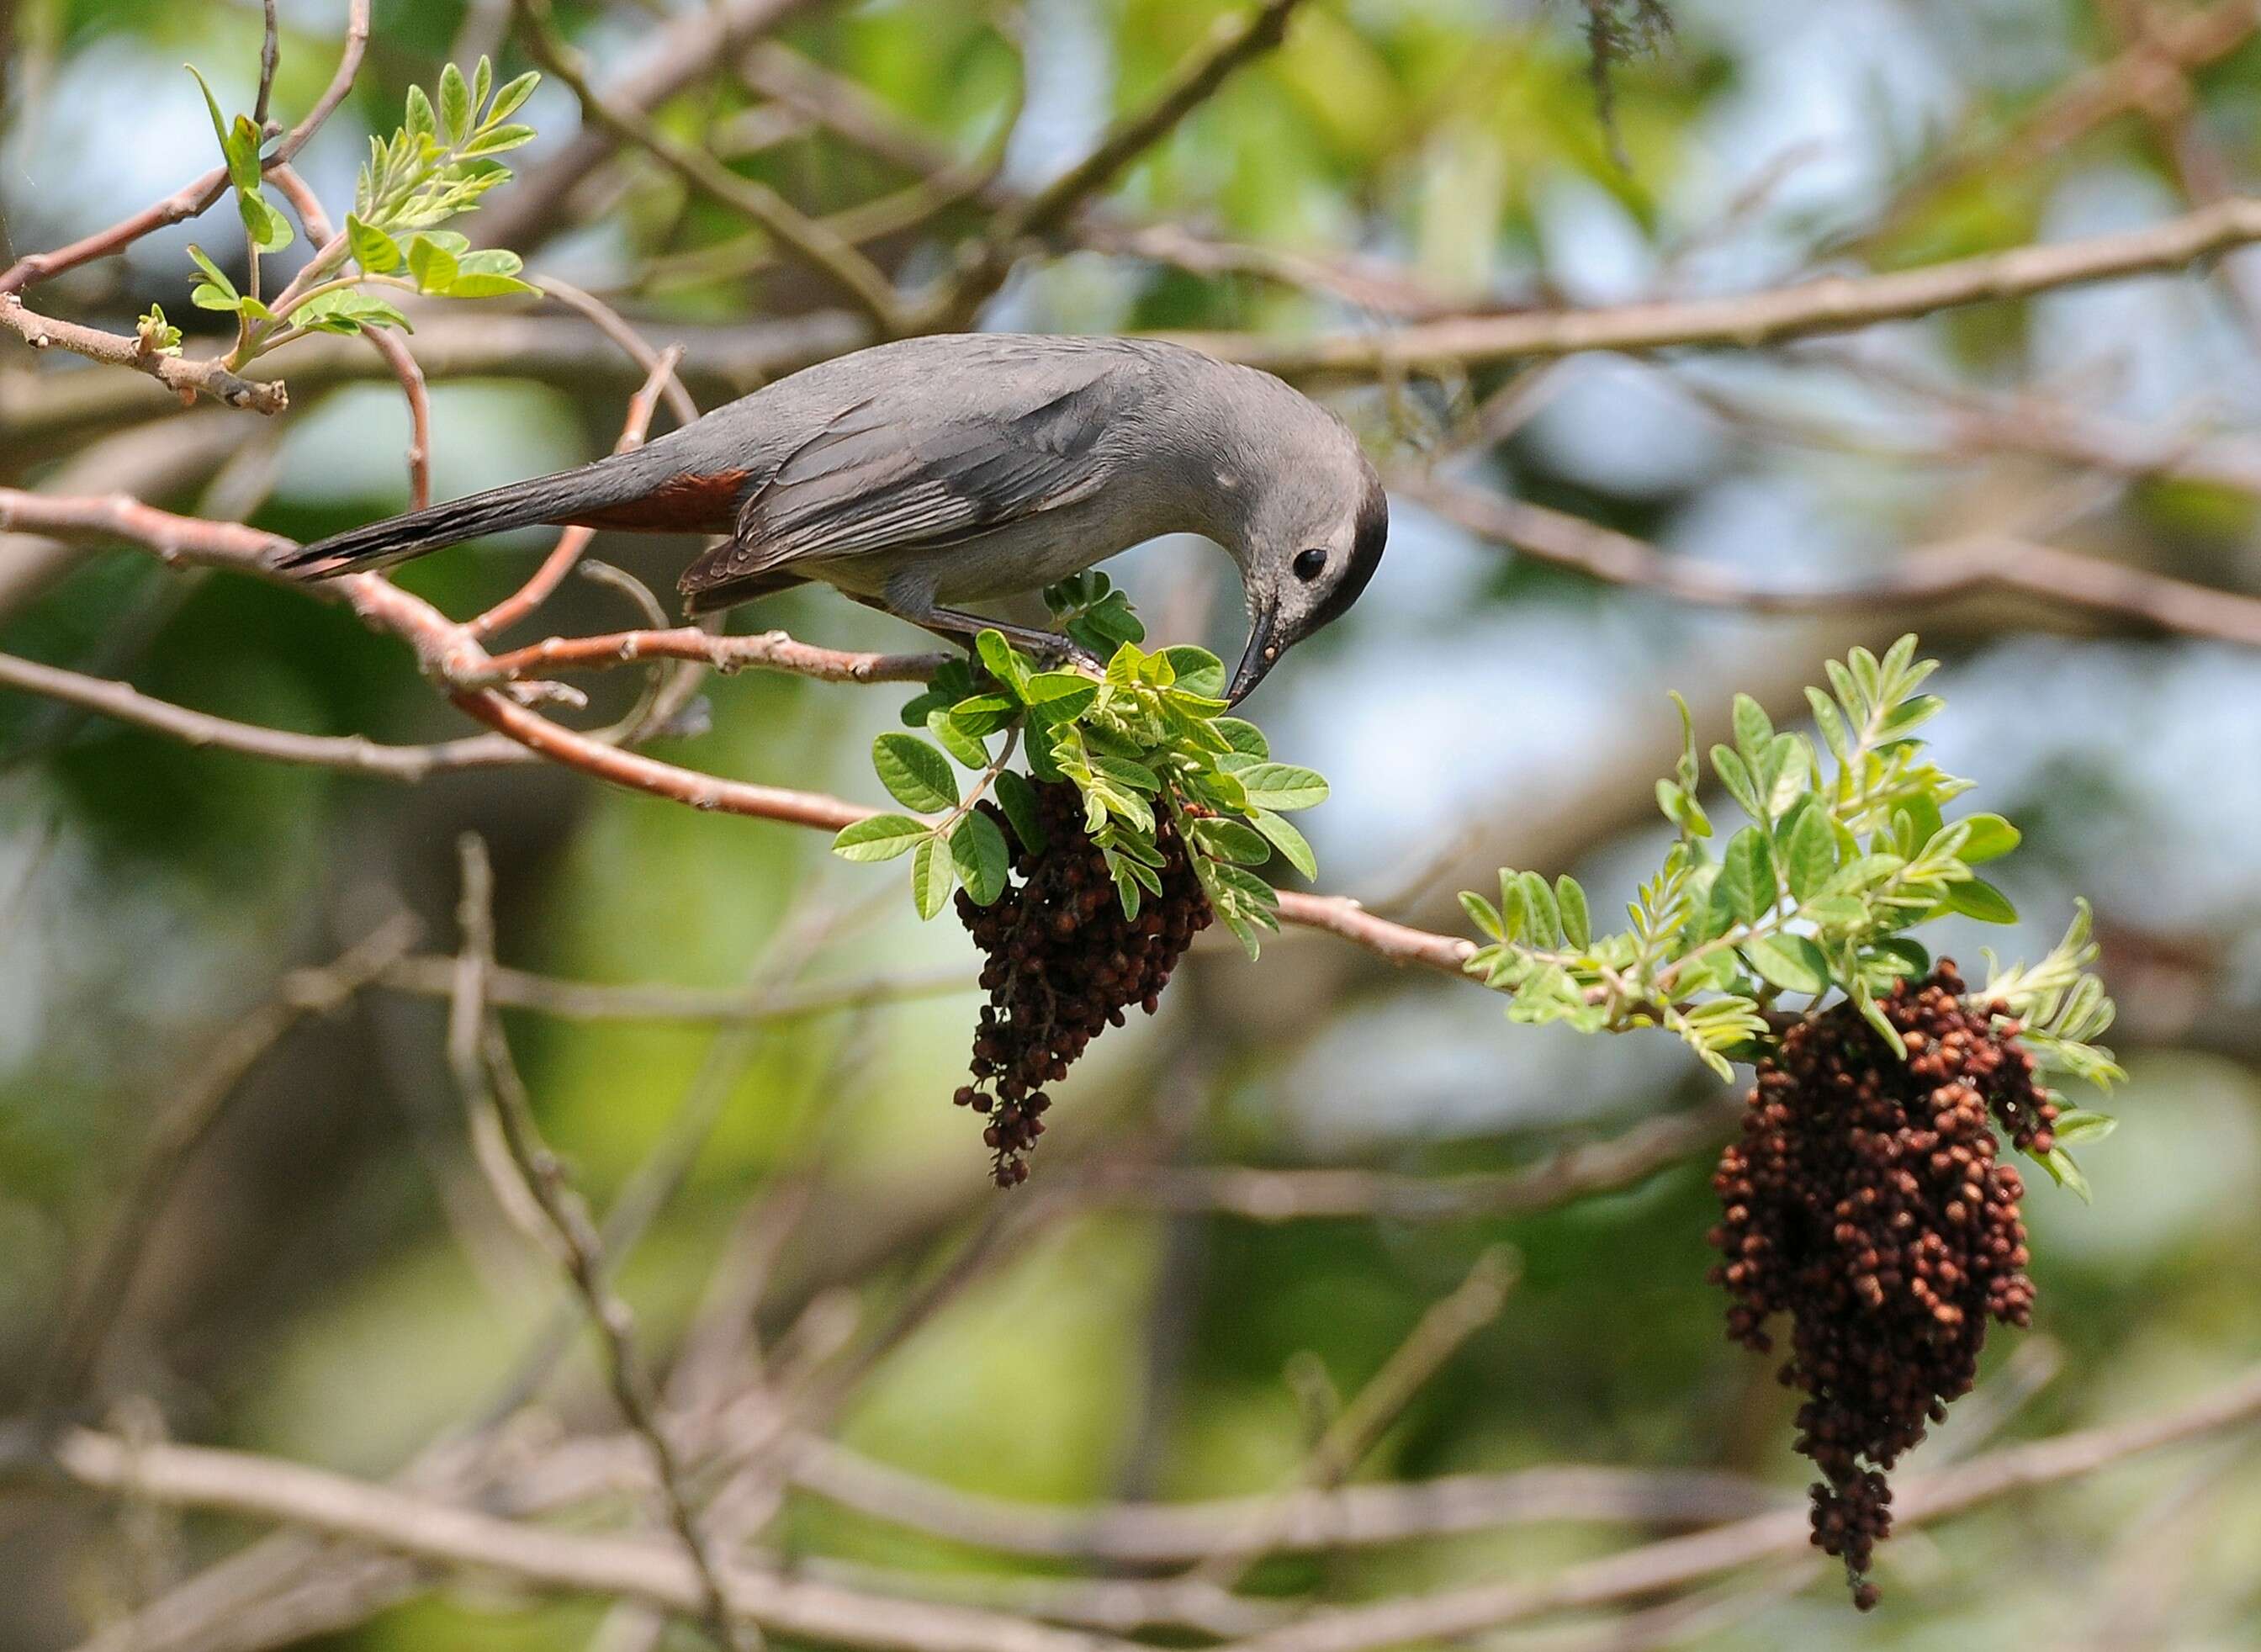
(1063, 964)
(1865, 1201)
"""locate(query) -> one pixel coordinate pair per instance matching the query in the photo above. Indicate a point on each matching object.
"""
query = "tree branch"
(187, 378)
(1831, 304)
(351, 753)
(1945, 572)
(267, 1489)
(1917, 1501)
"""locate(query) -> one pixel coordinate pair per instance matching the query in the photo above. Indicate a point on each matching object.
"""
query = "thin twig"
(835, 259)
(581, 1249)
(1236, 40)
(351, 753)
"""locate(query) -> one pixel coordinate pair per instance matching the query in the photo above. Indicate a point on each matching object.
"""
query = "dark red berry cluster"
(1865, 1202)
(1063, 964)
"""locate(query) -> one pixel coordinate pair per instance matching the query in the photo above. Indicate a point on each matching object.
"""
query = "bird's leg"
(961, 627)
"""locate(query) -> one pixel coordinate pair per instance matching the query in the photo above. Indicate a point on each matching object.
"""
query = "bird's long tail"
(609, 484)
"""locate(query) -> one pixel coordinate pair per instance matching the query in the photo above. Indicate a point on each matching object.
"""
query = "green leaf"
(1107, 624)
(214, 280)
(1741, 785)
(1002, 661)
(980, 716)
(489, 273)
(952, 737)
(1539, 904)
(2066, 1173)
(1976, 898)
(500, 141)
(347, 311)
(1991, 839)
(1831, 722)
(1018, 798)
(1061, 694)
(419, 121)
(881, 837)
(915, 774)
(241, 146)
(1570, 904)
(932, 874)
(1745, 885)
(2079, 1125)
(1681, 808)
(513, 94)
(1754, 731)
(1124, 772)
(1289, 842)
(1244, 736)
(1792, 962)
(978, 851)
(1198, 670)
(219, 120)
(373, 249)
(482, 83)
(1281, 786)
(1483, 914)
(1230, 840)
(455, 105)
(1809, 854)
(433, 264)
(1874, 1014)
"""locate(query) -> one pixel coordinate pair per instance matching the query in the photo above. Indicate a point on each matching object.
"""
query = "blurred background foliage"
(330, 1283)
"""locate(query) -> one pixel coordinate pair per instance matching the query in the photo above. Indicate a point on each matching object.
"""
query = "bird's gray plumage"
(930, 472)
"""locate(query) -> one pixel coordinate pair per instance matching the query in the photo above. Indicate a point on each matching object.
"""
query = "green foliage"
(1847, 850)
(158, 336)
(434, 166)
(1145, 741)
(241, 140)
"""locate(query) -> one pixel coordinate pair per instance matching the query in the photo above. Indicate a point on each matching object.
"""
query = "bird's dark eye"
(1310, 565)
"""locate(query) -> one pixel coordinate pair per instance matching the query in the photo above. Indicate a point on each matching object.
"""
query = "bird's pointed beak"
(1262, 653)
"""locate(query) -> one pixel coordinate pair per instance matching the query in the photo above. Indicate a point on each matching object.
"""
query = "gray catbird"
(930, 472)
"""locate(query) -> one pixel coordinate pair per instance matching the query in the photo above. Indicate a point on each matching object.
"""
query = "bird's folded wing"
(906, 468)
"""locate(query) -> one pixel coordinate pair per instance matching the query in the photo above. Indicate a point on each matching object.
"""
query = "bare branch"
(642, 1569)
(1945, 572)
(352, 753)
(767, 649)
(1917, 1500)
(186, 378)
(1333, 1193)
(433, 977)
(1831, 304)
